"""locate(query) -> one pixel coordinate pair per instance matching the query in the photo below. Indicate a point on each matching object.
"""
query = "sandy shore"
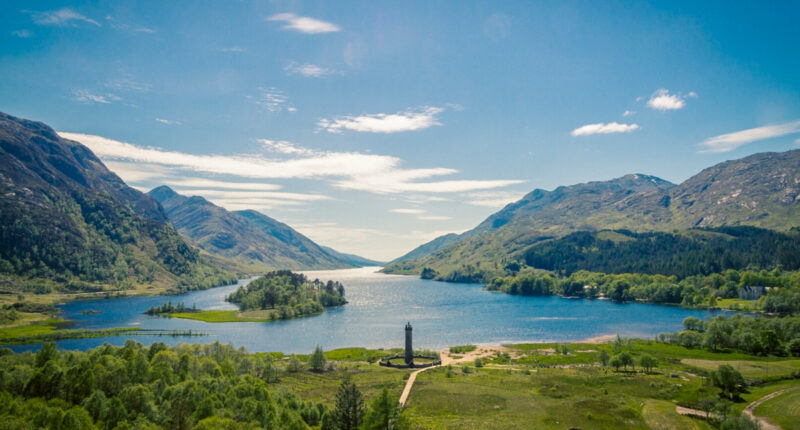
(599, 339)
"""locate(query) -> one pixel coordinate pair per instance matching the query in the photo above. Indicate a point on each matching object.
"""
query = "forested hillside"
(761, 190)
(66, 218)
(246, 241)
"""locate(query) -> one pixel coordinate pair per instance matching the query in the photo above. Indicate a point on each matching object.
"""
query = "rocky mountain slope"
(243, 240)
(64, 216)
(761, 190)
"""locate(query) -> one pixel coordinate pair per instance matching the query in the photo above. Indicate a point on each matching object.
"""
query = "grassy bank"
(55, 329)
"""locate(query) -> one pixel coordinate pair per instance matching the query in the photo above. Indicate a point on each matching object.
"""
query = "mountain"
(352, 259)
(761, 190)
(246, 241)
(64, 216)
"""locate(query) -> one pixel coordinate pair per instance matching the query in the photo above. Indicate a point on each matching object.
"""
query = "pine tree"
(349, 411)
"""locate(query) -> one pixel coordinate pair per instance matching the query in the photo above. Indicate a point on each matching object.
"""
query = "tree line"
(290, 294)
(208, 386)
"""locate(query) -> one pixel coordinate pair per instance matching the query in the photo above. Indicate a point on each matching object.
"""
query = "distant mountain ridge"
(353, 259)
(761, 190)
(246, 240)
(64, 216)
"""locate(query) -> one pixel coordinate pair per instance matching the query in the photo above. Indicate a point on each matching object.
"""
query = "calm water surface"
(442, 314)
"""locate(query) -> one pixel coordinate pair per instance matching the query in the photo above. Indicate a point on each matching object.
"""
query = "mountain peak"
(162, 193)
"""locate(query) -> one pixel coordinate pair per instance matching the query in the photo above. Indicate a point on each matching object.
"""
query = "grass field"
(661, 415)
(226, 316)
(749, 368)
(371, 379)
(586, 397)
(738, 304)
(783, 410)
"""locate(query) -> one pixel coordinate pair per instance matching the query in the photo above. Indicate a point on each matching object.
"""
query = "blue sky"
(373, 126)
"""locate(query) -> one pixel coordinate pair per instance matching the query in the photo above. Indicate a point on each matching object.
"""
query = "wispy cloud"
(434, 218)
(381, 174)
(22, 34)
(662, 100)
(85, 96)
(124, 84)
(284, 147)
(225, 185)
(492, 199)
(308, 70)
(233, 49)
(304, 24)
(730, 141)
(411, 120)
(61, 17)
(629, 113)
(409, 211)
(272, 99)
(131, 28)
(168, 121)
(603, 128)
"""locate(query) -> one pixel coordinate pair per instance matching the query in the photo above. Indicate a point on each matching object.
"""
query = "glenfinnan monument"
(408, 357)
(409, 348)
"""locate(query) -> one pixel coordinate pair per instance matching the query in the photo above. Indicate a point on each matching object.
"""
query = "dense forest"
(699, 290)
(691, 252)
(290, 294)
(752, 335)
(209, 386)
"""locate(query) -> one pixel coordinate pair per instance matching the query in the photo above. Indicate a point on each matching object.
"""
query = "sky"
(373, 127)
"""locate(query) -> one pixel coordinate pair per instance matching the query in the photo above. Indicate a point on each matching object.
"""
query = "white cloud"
(373, 173)
(124, 84)
(601, 128)
(168, 121)
(23, 34)
(132, 28)
(304, 24)
(408, 211)
(272, 99)
(410, 120)
(225, 185)
(730, 141)
(434, 218)
(233, 49)
(308, 70)
(492, 199)
(629, 113)
(84, 96)
(284, 147)
(662, 100)
(61, 17)
(136, 172)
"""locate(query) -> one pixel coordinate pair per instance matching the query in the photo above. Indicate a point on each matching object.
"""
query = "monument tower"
(409, 349)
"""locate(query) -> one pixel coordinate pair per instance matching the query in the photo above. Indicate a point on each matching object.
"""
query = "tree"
(317, 360)
(382, 412)
(615, 362)
(604, 357)
(349, 410)
(717, 334)
(627, 360)
(647, 362)
(692, 323)
(727, 379)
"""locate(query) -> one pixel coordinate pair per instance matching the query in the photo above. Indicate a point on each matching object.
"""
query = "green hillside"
(245, 241)
(762, 190)
(68, 224)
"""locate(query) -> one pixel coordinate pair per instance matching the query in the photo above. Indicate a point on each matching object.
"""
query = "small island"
(278, 295)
